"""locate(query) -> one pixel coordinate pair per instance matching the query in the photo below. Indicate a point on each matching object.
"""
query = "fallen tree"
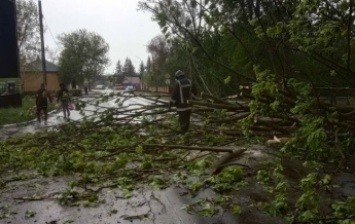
(140, 145)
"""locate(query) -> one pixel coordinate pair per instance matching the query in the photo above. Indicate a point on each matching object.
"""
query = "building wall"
(135, 81)
(160, 89)
(31, 81)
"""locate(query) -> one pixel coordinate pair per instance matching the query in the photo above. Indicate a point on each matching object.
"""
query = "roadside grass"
(20, 114)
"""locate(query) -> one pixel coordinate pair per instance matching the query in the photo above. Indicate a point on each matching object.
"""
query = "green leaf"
(30, 214)
(227, 80)
(195, 186)
(237, 210)
(195, 50)
(139, 150)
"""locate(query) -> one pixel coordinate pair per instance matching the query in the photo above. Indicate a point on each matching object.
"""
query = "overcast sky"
(123, 27)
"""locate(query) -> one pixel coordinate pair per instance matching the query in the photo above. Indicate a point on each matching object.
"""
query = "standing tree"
(159, 49)
(141, 69)
(84, 56)
(197, 32)
(128, 68)
(27, 30)
(147, 78)
(149, 65)
(118, 68)
(119, 73)
(141, 73)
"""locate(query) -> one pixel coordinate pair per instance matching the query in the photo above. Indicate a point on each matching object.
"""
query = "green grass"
(20, 114)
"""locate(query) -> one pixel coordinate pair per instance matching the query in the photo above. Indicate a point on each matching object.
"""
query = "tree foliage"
(291, 38)
(292, 54)
(84, 56)
(118, 69)
(156, 65)
(28, 33)
(149, 64)
(141, 68)
(128, 68)
(119, 72)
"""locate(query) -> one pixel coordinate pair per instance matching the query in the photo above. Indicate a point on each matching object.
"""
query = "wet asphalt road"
(145, 207)
(56, 117)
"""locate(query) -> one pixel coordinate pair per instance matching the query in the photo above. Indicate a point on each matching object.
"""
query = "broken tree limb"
(226, 158)
(214, 99)
(235, 164)
(224, 102)
(219, 106)
(232, 118)
(198, 148)
(275, 127)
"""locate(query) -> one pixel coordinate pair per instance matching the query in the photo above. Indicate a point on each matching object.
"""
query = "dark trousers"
(40, 108)
(184, 120)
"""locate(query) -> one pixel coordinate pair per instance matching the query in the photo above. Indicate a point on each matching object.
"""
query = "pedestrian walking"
(64, 98)
(42, 97)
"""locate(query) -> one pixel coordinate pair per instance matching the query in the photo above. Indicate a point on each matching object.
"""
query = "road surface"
(127, 102)
(145, 207)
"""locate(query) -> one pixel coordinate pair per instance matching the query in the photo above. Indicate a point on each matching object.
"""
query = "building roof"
(36, 66)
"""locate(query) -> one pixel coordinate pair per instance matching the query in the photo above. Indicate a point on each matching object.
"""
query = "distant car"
(129, 89)
(99, 87)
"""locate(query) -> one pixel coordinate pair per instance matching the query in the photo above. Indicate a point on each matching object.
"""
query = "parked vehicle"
(99, 87)
(129, 89)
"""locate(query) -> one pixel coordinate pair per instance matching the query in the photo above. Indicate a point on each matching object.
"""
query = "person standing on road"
(183, 92)
(42, 97)
(86, 90)
(64, 98)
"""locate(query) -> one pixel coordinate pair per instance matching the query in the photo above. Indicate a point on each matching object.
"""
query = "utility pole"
(44, 69)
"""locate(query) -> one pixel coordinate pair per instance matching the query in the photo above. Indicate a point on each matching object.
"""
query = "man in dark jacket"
(42, 97)
(181, 97)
